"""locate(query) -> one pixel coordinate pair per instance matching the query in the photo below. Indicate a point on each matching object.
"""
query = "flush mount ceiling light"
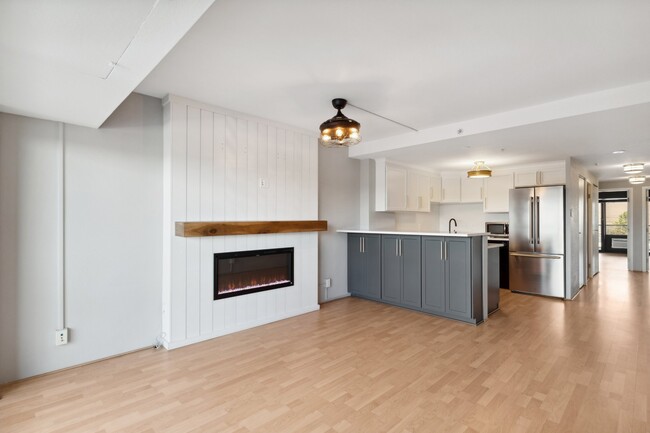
(479, 170)
(339, 131)
(636, 180)
(633, 168)
(618, 152)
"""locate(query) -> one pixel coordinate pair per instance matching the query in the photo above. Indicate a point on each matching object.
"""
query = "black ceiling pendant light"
(339, 131)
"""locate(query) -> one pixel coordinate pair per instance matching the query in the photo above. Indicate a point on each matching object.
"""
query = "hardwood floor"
(538, 365)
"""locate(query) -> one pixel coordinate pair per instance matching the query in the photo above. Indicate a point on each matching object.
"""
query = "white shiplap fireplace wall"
(213, 162)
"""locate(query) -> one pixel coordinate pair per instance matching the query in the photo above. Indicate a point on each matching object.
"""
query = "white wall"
(572, 243)
(113, 214)
(469, 216)
(338, 203)
(213, 159)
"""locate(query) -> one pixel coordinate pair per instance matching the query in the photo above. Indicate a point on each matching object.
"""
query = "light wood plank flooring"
(538, 365)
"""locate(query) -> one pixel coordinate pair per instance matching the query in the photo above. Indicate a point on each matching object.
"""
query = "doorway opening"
(613, 228)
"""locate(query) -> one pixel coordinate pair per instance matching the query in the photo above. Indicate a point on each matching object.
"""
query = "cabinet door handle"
(397, 247)
(445, 251)
(400, 247)
(360, 244)
(441, 242)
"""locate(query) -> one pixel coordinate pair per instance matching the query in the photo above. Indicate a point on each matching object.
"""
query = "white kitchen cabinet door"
(497, 193)
(424, 203)
(526, 178)
(396, 178)
(412, 191)
(471, 190)
(435, 193)
(450, 190)
(552, 176)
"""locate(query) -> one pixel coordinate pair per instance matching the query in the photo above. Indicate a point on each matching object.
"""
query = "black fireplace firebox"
(242, 272)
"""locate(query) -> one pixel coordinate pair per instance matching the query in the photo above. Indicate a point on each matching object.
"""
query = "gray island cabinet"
(364, 265)
(436, 274)
(400, 270)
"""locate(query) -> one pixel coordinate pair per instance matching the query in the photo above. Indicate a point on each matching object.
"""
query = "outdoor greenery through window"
(616, 219)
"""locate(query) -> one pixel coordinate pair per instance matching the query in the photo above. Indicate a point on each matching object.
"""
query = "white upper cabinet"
(497, 193)
(471, 190)
(450, 190)
(539, 176)
(400, 188)
(396, 188)
(435, 192)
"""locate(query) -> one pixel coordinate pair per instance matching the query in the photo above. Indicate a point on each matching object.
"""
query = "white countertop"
(396, 232)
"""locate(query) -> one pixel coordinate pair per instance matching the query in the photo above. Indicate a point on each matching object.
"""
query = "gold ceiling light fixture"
(633, 168)
(479, 170)
(636, 180)
(340, 130)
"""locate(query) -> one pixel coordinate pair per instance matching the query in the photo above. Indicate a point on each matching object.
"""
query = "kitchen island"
(443, 274)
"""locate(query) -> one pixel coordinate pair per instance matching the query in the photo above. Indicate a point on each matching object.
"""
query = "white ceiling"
(429, 64)
(55, 55)
(423, 63)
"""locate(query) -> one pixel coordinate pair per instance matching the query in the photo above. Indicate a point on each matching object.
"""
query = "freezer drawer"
(540, 274)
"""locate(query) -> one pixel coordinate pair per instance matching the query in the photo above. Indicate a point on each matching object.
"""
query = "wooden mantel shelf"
(196, 229)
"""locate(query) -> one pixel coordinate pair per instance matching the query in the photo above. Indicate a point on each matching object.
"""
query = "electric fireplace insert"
(242, 272)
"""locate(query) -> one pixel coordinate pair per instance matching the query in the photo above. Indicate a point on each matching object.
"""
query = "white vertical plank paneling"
(313, 176)
(242, 169)
(216, 159)
(231, 179)
(310, 270)
(305, 179)
(219, 206)
(291, 185)
(178, 213)
(281, 192)
(193, 214)
(262, 171)
(294, 299)
(272, 159)
(207, 212)
(230, 312)
(252, 175)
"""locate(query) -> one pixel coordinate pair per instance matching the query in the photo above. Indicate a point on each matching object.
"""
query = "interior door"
(582, 253)
(595, 224)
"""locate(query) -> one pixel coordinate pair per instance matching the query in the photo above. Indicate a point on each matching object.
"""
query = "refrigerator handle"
(531, 225)
(537, 218)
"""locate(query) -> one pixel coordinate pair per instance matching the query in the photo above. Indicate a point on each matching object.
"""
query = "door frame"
(644, 223)
(630, 222)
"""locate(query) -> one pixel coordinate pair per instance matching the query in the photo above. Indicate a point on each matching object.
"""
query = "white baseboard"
(170, 345)
(346, 295)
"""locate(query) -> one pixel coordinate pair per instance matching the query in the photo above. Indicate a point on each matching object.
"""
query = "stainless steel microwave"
(497, 229)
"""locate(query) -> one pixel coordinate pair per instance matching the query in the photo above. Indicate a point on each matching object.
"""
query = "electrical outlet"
(263, 183)
(61, 336)
(328, 283)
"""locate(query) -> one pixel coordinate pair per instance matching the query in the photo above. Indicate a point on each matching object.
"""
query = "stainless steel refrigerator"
(537, 240)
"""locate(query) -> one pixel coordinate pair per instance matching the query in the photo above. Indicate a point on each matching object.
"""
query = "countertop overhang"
(399, 232)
